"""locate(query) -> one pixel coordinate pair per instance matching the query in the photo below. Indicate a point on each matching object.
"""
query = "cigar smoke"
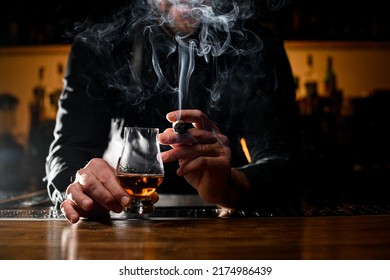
(213, 24)
(218, 30)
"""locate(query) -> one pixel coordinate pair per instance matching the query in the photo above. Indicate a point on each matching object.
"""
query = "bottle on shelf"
(330, 82)
(37, 107)
(56, 92)
(331, 91)
(37, 151)
(310, 81)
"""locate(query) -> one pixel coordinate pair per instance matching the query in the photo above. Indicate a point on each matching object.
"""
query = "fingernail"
(171, 116)
(163, 156)
(162, 138)
(73, 218)
(125, 200)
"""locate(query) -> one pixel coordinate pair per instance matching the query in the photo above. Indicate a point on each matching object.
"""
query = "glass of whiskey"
(140, 169)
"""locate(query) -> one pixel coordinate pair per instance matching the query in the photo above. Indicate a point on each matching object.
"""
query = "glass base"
(140, 206)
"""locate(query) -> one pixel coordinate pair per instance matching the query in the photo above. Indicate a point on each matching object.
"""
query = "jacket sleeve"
(82, 126)
(271, 131)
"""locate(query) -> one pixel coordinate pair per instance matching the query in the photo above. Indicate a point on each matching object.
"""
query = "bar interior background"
(345, 143)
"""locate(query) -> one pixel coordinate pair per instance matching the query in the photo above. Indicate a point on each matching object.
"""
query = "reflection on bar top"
(41, 198)
(170, 207)
(204, 212)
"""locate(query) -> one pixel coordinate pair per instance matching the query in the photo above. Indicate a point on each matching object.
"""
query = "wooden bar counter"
(199, 233)
(347, 237)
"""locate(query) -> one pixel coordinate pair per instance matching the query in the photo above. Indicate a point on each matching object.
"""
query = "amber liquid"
(139, 185)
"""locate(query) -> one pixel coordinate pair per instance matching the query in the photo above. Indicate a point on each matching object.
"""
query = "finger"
(194, 136)
(196, 117)
(167, 130)
(69, 211)
(106, 176)
(201, 163)
(95, 190)
(92, 187)
(154, 197)
(73, 212)
(207, 137)
(170, 137)
(191, 152)
(76, 194)
(85, 203)
(100, 182)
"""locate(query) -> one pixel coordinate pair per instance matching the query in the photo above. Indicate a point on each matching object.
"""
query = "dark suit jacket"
(124, 77)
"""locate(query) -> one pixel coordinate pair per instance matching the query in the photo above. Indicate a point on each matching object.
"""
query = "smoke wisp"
(190, 29)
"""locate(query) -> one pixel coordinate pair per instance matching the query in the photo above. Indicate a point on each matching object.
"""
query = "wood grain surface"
(275, 238)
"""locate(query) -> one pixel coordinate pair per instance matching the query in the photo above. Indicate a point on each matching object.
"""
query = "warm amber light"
(245, 149)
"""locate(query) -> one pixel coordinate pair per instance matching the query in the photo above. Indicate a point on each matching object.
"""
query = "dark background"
(26, 22)
(342, 155)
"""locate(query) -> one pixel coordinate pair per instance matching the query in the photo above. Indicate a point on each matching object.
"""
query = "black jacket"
(111, 82)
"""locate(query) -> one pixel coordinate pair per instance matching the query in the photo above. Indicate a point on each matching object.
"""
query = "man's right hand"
(95, 192)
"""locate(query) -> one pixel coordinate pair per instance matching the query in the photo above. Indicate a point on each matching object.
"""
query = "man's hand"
(95, 192)
(203, 154)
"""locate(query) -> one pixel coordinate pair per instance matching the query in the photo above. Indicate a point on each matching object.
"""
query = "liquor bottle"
(310, 80)
(330, 82)
(37, 108)
(37, 148)
(56, 92)
(332, 92)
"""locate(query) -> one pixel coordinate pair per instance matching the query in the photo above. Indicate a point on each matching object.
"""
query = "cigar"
(180, 127)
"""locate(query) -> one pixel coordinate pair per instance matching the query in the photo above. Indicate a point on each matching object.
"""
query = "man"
(161, 61)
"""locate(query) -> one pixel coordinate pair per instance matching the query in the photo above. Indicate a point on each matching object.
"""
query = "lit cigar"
(180, 127)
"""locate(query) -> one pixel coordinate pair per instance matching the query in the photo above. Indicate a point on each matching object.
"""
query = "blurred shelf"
(35, 50)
